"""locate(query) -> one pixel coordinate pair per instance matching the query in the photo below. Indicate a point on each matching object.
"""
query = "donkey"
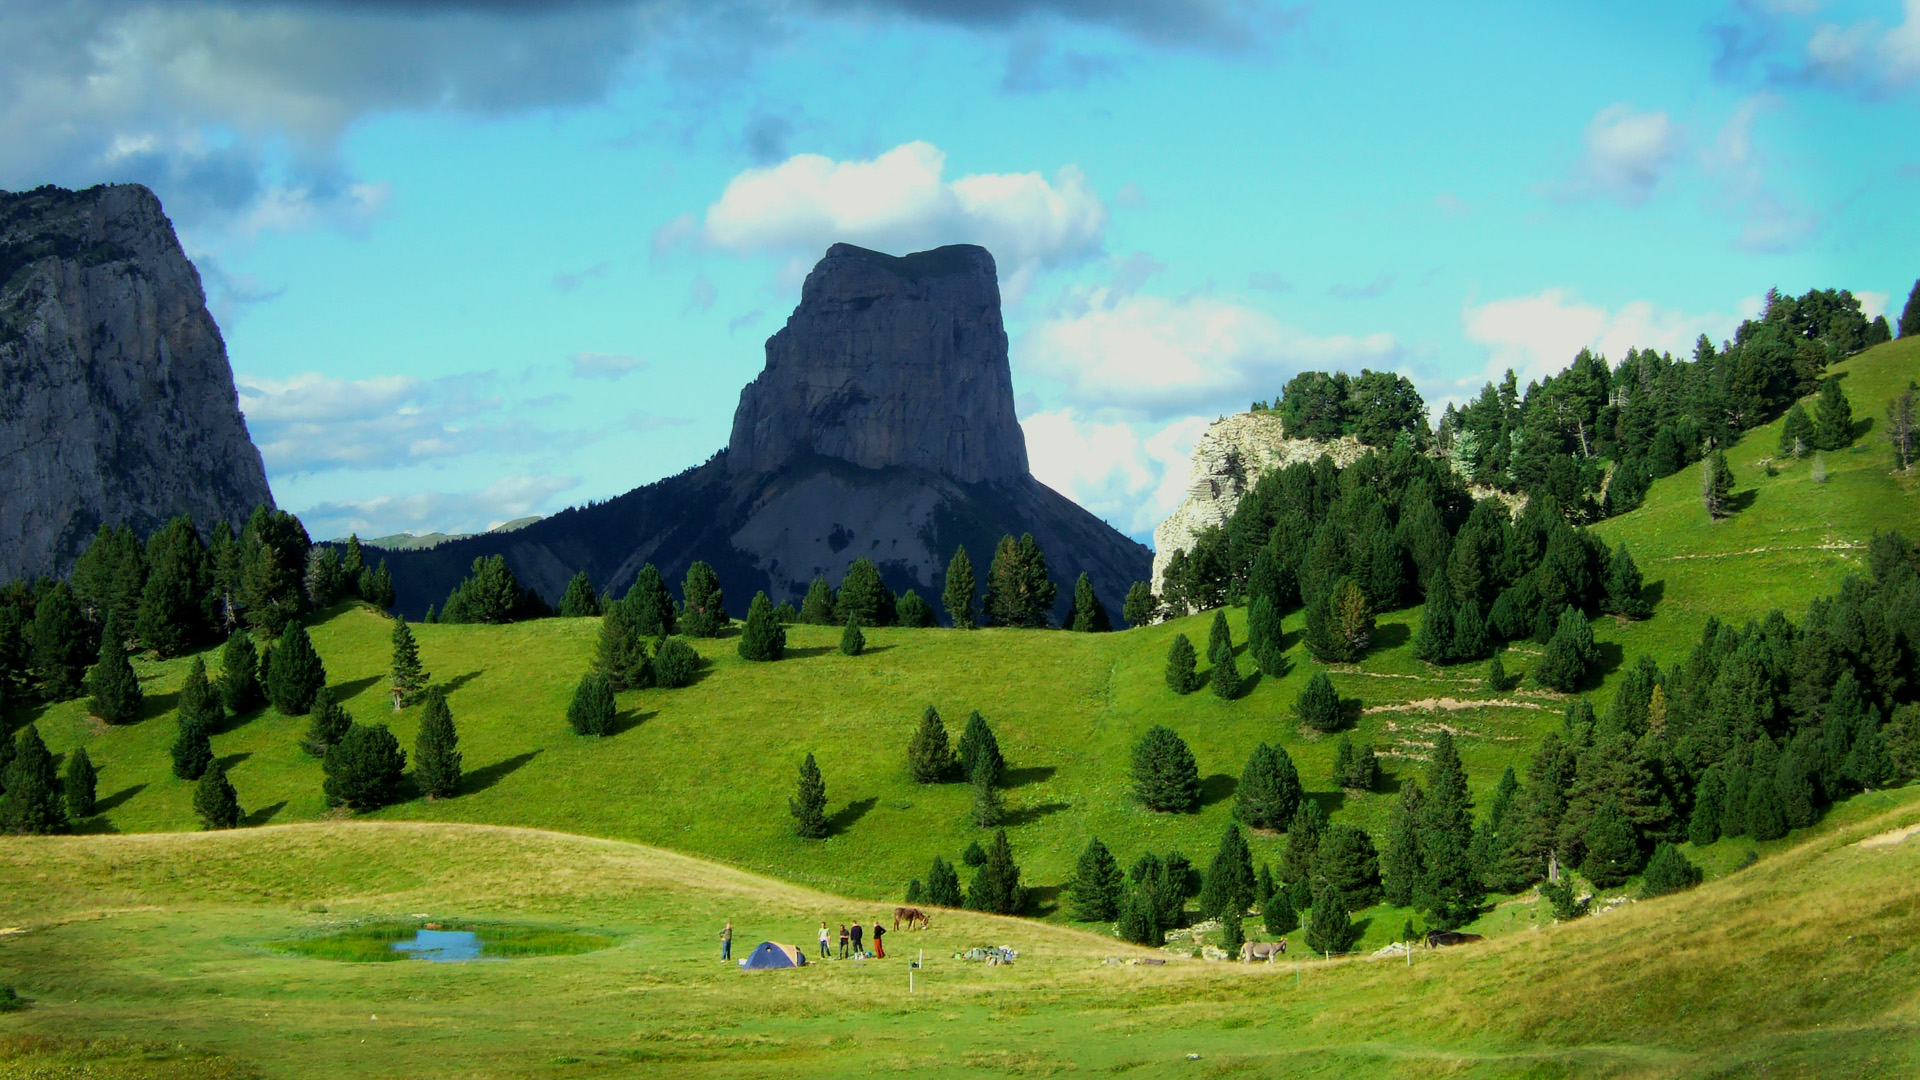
(915, 918)
(1262, 950)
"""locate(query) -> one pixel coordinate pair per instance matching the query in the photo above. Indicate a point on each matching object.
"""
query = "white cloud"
(1872, 302)
(593, 365)
(1538, 335)
(1154, 356)
(901, 201)
(1131, 474)
(1865, 54)
(503, 500)
(313, 423)
(1627, 153)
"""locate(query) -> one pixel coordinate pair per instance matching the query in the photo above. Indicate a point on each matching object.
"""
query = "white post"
(909, 980)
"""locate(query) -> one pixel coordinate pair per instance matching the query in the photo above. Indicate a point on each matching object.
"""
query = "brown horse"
(915, 918)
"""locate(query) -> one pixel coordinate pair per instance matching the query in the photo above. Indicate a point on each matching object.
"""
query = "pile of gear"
(992, 955)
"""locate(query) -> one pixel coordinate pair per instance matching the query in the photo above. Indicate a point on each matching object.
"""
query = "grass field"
(156, 956)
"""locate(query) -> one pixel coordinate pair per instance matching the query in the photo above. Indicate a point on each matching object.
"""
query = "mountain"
(117, 405)
(882, 425)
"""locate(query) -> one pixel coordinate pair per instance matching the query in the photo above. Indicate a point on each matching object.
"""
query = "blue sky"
(481, 259)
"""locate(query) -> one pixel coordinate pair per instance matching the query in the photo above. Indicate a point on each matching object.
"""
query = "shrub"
(852, 641)
(592, 709)
(914, 612)
(364, 769)
(675, 663)
(1180, 666)
(1318, 706)
(215, 802)
(1561, 897)
(763, 638)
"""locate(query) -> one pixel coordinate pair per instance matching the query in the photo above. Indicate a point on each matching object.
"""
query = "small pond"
(442, 946)
(377, 941)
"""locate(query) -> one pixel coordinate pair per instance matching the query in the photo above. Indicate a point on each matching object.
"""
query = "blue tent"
(767, 954)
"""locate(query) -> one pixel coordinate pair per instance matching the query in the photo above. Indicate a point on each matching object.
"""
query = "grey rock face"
(117, 405)
(888, 362)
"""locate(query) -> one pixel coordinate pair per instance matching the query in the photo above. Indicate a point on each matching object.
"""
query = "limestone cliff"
(117, 405)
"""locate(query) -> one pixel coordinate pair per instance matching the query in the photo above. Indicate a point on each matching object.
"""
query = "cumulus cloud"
(1160, 357)
(501, 501)
(1131, 474)
(1538, 335)
(1627, 153)
(1866, 55)
(902, 201)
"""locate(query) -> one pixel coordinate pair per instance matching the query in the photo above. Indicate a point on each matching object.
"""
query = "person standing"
(857, 931)
(726, 941)
(825, 952)
(843, 941)
(879, 950)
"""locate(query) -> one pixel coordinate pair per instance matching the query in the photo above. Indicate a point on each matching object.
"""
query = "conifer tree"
(592, 709)
(1347, 863)
(1265, 638)
(79, 785)
(651, 603)
(1450, 888)
(431, 617)
(863, 597)
(1229, 883)
(1570, 657)
(1496, 674)
(1165, 776)
(1225, 678)
(1263, 884)
(622, 655)
(1277, 914)
(1342, 760)
(1362, 771)
(1350, 620)
(1097, 884)
(61, 642)
(1138, 921)
(1139, 605)
(675, 663)
(1733, 822)
(816, 609)
(809, 804)
(1088, 614)
(199, 700)
(215, 802)
(379, 590)
(1910, 315)
(1613, 853)
(974, 855)
(407, 678)
(852, 641)
(436, 751)
(1181, 677)
(996, 885)
(705, 602)
(110, 575)
(1796, 432)
(1832, 417)
(31, 802)
(914, 613)
(943, 885)
(192, 750)
(989, 810)
(1668, 872)
(1401, 868)
(1233, 933)
(978, 744)
(1716, 485)
(1709, 807)
(1433, 641)
(1329, 923)
(1219, 638)
(364, 769)
(958, 596)
(1766, 816)
(173, 610)
(929, 758)
(240, 674)
(1309, 824)
(579, 601)
(328, 724)
(1471, 641)
(1624, 586)
(353, 561)
(1318, 705)
(1269, 793)
(115, 689)
(1018, 590)
(763, 639)
(296, 673)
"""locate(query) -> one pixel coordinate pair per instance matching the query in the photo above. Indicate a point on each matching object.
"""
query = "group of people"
(850, 938)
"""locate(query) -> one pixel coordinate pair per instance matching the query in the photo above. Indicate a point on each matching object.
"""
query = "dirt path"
(1891, 836)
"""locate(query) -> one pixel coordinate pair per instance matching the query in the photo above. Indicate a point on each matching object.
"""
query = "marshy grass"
(373, 942)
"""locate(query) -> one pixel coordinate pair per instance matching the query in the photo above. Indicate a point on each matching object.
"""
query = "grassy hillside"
(164, 956)
(708, 769)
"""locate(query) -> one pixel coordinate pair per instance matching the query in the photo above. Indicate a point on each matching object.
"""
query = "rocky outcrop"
(1228, 460)
(882, 426)
(888, 361)
(117, 405)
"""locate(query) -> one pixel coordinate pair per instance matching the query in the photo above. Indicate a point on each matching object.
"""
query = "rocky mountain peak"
(888, 361)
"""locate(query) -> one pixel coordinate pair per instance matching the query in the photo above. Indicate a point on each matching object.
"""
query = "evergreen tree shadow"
(1861, 429)
(627, 721)
(1027, 815)
(1611, 654)
(1653, 591)
(1330, 801)
(849, 814)
(1388, 783)
(876, 649)
(235, 721)
(1218, 788)
(1031, 774)
(95, 826)
(1040, 900)
(117, 799)
(152, 705)
(457, 682)
(1249, 680)
(483, 778)
(231, 760)
(1391, 636)
(1741, 500)
(352, 688)
(265, 813)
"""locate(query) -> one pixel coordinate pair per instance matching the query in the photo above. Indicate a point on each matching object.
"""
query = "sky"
(480, 259)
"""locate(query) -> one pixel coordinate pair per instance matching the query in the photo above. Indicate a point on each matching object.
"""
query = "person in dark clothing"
(857, 931)
(879, 950)
(844, 938)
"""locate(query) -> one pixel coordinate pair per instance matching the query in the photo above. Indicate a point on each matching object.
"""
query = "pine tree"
(914, 613)
(1318, 706)
(763, 638)
(1709, 807)
(240, 674)
(1165, 776)
(1329, 924)
(996, 885)
(1229, 881)
(705, 602)
(1219, 638)
(579, 601)
(974, 855)
(272, 561)
(380, 589)
(296, 673)
(929, 759)
(1363, 772)
(1450, 888)
(863, 597)
(79, 785)
(1089, 615)
(1716, 485)
(192, 750)
(328, 724)
(1832, 417)
(1097, 884)
(1309, 824)
(1181, 678)
(32, 800)
(1613, 852)
(943, 885)
(115, 689)
(1668, 872)
(1496, 674)
(1733, 821)
(978, 744)
(916, 892)
(1402, 869)
(1018, 591)
(1138, 921)
(1139, 606)
(436, 751)
(110, 575)
(174, 613)
(1269, 793)
(1570, 657)
(364, 769)
(1351, 620)
(215, 802)
(593, 709)
(1910, 315)
(1263, 884)
(989, 810)
(1796, 432)
(1225, 678)
(1277, 914)
(1265, 638)
(809, 804)
(61, 642)
(622, 654)
(958, 595)
(651, 603)
(1342, 760)
(1347, 863)
(817, 608)
(1233, 933)
(407, 678)
(431, 618)
(1624, 587)
(852, 641)
(1433, 641)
